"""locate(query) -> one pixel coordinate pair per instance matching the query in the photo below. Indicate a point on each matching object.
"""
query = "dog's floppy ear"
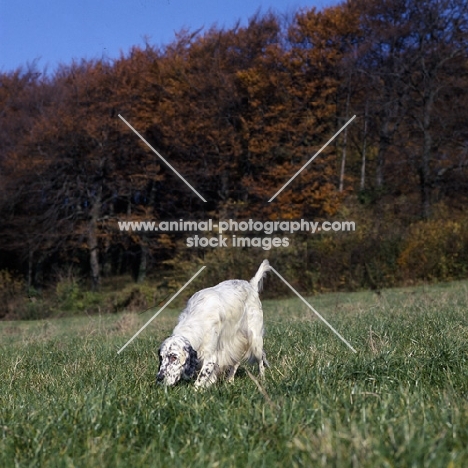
(191, 363)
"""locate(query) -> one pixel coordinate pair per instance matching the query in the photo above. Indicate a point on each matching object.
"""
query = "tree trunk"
(144, 248)
(93, 242)
(424, 168)
(364, 150)
(384, 143)
(425, 176)
(30, 267)
(345, 141)
(343, 160)
(143, 264)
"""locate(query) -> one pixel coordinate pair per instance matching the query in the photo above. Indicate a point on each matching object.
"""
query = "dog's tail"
(256, 281)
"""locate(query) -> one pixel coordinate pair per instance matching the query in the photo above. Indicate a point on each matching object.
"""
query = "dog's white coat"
(220, 327)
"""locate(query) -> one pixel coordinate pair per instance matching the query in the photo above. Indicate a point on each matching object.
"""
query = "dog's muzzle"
(166, 378)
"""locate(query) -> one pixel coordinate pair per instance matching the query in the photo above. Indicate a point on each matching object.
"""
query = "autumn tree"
(83, 168)
(237, 112)
(436, 59)
(410, 58)
(382, 64)
(24, 96)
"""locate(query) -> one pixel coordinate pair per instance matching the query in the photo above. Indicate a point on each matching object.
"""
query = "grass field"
(67, 399)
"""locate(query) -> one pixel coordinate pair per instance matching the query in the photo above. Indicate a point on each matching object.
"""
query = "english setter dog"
(220, 327)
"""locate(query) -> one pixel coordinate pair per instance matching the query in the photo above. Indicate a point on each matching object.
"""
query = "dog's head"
(177, 360)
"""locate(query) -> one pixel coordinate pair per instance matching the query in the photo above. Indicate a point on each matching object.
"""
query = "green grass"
(67, 399)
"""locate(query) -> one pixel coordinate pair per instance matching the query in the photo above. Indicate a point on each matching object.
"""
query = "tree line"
(237, 111)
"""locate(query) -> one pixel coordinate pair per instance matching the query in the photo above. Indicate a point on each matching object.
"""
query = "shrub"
(435, 249)
(11, 293)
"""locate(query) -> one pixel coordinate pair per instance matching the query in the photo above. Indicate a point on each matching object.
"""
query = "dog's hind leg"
(262, 363)
(232, 372)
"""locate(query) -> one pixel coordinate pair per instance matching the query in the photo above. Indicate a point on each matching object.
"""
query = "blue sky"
(57, 31)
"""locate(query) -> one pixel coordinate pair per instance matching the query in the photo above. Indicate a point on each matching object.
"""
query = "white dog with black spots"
(220, 327)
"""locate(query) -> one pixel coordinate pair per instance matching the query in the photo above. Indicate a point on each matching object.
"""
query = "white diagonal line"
(149, 146)
(311, 159)
(310, 307)
(161, 309)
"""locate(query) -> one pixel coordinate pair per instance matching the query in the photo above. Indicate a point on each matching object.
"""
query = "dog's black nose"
(159, 377)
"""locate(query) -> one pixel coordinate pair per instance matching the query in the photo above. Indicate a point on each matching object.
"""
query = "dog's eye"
(172, 358)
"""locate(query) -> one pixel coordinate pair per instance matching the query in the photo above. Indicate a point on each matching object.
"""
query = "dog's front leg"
(207, 375)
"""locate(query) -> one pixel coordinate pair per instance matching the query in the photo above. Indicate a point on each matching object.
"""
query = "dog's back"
(232, 292)
(217, 313)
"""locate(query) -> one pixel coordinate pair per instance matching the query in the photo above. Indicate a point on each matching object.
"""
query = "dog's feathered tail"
(256, 281)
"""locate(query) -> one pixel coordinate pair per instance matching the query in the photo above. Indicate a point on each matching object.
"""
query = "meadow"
(67, 399)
